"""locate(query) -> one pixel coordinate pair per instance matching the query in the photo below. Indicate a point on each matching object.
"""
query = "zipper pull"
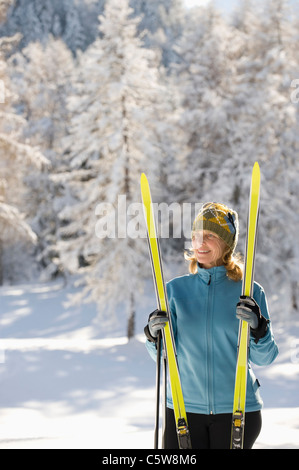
(209, 279)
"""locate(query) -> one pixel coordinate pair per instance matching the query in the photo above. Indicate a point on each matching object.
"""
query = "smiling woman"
(205, 308)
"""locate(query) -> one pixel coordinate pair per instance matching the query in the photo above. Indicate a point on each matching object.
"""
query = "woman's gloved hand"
(249, 311)
(156, 322)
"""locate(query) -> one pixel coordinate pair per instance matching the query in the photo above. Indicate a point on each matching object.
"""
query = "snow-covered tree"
(15, 158)
(206, 77)
(41, 76)
(113, 138)
(74, 22)
(162, 23)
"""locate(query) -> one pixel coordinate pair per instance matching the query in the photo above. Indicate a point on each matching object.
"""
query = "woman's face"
(208, 248)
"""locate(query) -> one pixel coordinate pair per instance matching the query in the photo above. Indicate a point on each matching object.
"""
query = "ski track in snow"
(65, 382)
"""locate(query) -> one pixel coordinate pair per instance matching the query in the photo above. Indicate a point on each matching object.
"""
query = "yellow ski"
(238, 420)
(168, 340)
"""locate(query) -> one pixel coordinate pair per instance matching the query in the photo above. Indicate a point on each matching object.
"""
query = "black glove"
(156, 322)
(248, 310)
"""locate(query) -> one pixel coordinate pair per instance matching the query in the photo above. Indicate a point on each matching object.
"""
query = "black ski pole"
(158, 374)
(164, 395)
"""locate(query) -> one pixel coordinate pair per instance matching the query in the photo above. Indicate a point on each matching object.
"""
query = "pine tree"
(15, 157)
(74, 22)
(41, 76)
(113, 138)
(162, 24)
(206, 77)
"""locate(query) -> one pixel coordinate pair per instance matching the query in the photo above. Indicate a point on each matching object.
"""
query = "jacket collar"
(216, 274)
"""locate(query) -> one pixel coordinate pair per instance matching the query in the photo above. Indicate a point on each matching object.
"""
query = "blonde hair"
(233, 264)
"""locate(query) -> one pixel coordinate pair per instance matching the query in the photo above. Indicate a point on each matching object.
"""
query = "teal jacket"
(205, 327)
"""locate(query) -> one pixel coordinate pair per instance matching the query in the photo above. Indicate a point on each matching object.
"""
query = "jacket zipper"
(209, 355)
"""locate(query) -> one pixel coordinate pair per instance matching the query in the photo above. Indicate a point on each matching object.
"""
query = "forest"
(93, 93)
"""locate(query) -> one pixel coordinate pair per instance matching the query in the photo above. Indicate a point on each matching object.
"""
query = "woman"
(205, 309)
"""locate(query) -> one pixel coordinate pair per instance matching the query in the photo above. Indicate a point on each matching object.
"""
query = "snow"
(64, 383)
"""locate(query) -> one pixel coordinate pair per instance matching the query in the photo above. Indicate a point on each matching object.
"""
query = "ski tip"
(256, 173)
(143, 177)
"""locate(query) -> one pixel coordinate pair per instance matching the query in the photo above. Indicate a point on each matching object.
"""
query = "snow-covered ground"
(65, 382)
